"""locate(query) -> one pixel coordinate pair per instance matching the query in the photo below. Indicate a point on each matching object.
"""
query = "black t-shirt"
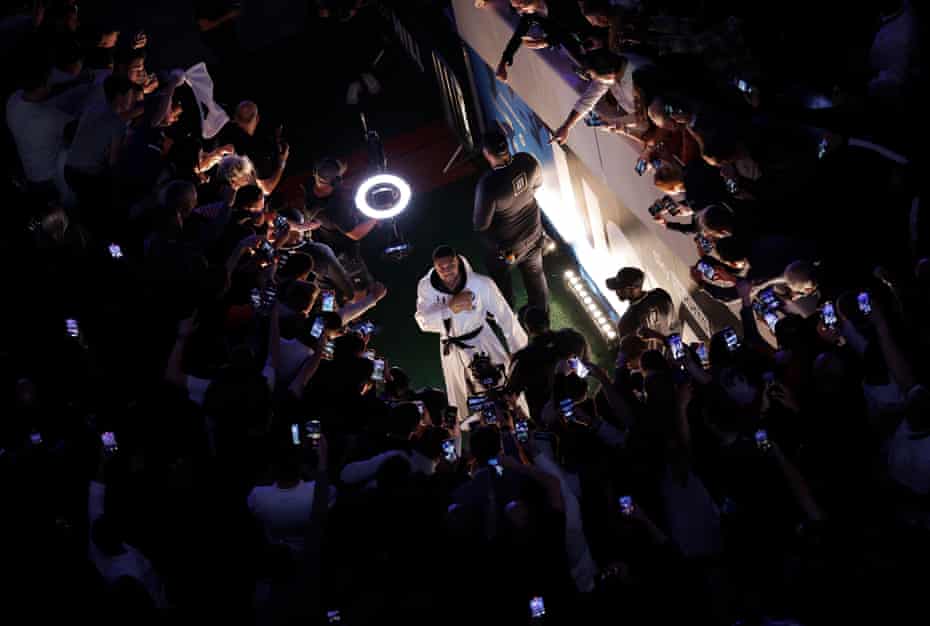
(259, 148)
(337, 216)
(505, 203)
(655, 311)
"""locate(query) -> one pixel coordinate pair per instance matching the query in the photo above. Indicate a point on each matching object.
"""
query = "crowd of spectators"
(195, 417)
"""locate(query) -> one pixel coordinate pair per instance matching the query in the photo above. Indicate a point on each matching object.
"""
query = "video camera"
(489, 398)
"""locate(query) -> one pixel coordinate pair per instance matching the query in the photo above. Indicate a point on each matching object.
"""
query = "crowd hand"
(830, 335)
(501, 72)
(697, 276)
(560, 136)
(648, 333)
(140, 40)
(724, 276)
(150, 84)
(177, 77)
(534, 43)
(463, 301)
(598, 373)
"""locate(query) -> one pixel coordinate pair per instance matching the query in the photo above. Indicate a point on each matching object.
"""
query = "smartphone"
(567, 409)
(762, 440)
(677, 346)
(626, 505)
(295, 434)
(537, 608)
(420, 406)
(35, 439)
(256, 297)
(281, 223)
(267, 249)
(769, 299)
(593, 119)
(364, 328)
(655, 208)
(822, 148)
(732, 339)
(448, 451)
(333, 617)
(489, 412)
(865, 303)
(328, 304)
(314, 431)
(329, 349)
(743, 86)
(522, 430)
(828, 315)
(369, 354)
(707, 246)
(378, 375)
(72, 327)
(579, 368)
(770, 320)
(702, 355)
(656, 163)
(641, 166)
(402, 248)
(670, 205)
(497, 466)
(475, 403)
(732, 185)
(450, 417)
(319, 325)
(108, 439)
(115, 251)
(706, 270)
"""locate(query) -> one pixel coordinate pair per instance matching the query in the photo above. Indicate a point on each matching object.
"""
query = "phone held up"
(828, 316)
(676, 346)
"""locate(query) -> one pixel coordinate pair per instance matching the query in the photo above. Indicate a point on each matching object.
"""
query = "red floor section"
(418, 157)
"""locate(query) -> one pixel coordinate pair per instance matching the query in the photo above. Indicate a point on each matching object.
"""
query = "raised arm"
(174, 372)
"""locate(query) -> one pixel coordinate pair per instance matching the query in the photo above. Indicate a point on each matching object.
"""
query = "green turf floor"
(444, 216)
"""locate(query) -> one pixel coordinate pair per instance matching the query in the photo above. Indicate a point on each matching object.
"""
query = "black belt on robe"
(460, 341)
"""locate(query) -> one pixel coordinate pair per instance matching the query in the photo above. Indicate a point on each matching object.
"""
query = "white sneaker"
(371, 84)
(355, 90)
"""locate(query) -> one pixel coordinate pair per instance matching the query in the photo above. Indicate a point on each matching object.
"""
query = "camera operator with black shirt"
(337, 222)
(507, 214)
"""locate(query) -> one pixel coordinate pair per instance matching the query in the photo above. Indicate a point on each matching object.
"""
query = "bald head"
(247, 116)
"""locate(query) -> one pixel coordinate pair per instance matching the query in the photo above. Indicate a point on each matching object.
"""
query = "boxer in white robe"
(463, 307)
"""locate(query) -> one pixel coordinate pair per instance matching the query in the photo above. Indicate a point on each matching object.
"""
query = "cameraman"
(507, 214)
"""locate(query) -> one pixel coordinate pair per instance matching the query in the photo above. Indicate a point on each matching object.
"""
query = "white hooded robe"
(432, 311)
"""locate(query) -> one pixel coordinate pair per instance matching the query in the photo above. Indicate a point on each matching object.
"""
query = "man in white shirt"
(38, 127)
(609, 73)
(463, 307)
(284, 507)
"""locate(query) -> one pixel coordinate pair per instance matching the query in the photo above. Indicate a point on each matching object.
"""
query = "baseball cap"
(330, 170)
(495, 142)
(626, 277)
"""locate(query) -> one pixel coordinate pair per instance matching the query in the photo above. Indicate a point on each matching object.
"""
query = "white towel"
(212, 116)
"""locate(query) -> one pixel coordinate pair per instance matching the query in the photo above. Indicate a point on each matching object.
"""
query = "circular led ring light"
(379, 184)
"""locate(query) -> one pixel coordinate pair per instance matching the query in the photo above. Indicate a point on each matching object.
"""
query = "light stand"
(383, 196)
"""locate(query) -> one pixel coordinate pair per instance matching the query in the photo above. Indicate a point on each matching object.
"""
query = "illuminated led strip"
(361, 196)
(589, 301)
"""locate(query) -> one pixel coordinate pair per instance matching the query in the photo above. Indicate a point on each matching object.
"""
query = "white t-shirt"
(131, 562)
(285, 513)
(909, 459)
(38, 130)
